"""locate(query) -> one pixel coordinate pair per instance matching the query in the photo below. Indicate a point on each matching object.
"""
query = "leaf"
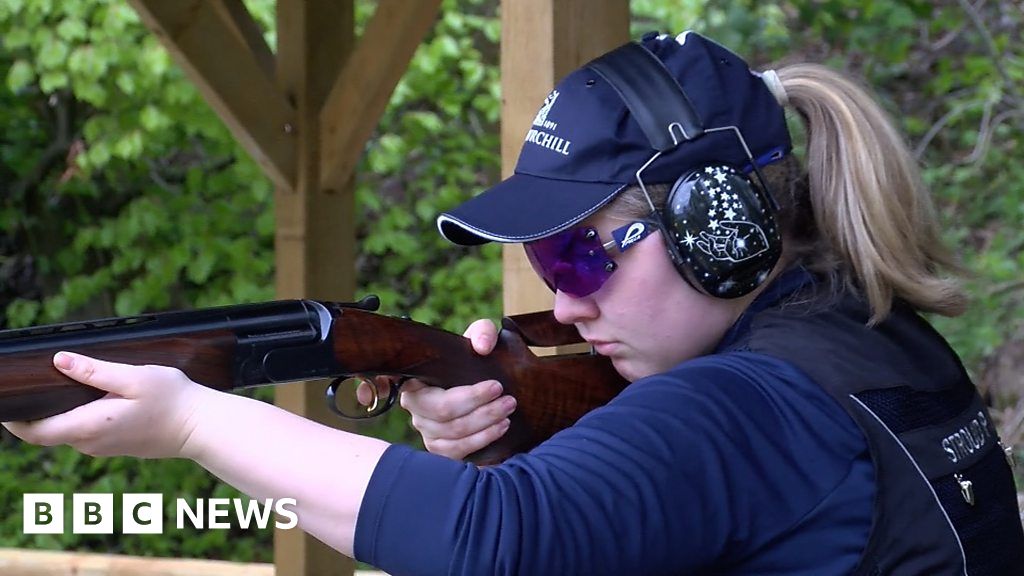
(53, 53)
(50, 81)
(20, 75)
(200, 268)
(153, 119)
(71, 29)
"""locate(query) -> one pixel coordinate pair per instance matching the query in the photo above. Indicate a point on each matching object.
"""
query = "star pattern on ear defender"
(728, 234)
(724, 230)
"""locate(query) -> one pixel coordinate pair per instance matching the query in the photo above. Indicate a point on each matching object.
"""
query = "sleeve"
(682, 469)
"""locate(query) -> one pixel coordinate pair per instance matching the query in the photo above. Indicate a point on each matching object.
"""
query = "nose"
(570, 309)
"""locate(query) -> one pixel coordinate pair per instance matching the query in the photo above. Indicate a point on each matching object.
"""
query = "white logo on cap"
(546, 139)
(542, 115)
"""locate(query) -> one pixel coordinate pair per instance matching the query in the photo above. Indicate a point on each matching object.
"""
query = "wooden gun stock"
(552, 392)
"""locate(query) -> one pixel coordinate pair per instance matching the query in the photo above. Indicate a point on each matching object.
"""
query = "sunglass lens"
(572, 261)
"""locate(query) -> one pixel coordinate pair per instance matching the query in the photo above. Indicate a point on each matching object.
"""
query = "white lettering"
(949, 450)
(144, 513)
(253, 509)
(969, 439)
(218, 508)
(196, 516)
(293, 518)
(549, 141)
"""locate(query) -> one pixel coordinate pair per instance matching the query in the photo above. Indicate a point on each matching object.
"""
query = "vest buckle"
(1008, 452)
(966, 488)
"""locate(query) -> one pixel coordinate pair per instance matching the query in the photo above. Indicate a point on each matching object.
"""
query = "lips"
(601, 347)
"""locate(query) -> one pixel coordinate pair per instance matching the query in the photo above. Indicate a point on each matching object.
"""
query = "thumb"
(483, 334)
(120, 379)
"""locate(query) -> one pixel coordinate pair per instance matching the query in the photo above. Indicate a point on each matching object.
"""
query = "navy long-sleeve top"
(733, 463)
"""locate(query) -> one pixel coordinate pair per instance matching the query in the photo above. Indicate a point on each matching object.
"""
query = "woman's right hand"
(459, 421)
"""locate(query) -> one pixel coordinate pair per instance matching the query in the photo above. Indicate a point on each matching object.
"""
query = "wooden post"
(315, 240)
(542, 41)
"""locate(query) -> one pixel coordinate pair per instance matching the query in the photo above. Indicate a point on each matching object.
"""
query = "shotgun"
(234, 347)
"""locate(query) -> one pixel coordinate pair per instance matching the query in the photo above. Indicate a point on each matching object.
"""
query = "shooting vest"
(945, 501)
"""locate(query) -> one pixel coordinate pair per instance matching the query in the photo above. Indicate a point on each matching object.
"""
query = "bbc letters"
(45, 513)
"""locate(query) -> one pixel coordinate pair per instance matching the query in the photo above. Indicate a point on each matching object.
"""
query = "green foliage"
(138, 197)
(436, 146)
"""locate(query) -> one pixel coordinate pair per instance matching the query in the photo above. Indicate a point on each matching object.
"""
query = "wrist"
(200, 410)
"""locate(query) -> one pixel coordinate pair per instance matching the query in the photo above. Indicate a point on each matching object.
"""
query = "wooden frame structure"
(306, 110)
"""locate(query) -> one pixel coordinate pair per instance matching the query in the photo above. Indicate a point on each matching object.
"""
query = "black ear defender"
(718, 223)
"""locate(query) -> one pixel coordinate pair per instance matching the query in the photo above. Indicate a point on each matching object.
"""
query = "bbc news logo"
(144, 513)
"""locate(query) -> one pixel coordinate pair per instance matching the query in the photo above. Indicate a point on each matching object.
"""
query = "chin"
(629, 370)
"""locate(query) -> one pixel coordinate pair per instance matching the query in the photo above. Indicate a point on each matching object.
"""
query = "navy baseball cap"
(585, 147)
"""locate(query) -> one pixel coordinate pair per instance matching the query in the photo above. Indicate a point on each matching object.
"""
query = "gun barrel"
(251, 322)
(219, 347)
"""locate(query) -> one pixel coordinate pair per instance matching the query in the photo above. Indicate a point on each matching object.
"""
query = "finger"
(483, 334)
(480, 419)
(459, 449)
(413, 385)
(440, 405)
(121, 379)
(74, 427)
(376, 390)
(365, 393)
(24, 430)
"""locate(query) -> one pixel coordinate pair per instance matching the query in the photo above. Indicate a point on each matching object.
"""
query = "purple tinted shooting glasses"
(576, 262)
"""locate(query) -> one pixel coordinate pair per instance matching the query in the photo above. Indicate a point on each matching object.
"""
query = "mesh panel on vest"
(904, 408)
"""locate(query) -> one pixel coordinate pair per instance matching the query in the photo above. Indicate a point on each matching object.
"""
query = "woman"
(789, 412)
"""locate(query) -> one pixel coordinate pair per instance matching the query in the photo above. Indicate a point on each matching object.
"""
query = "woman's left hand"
(148, 411)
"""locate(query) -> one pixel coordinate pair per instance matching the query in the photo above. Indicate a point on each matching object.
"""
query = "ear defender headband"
(718, 224)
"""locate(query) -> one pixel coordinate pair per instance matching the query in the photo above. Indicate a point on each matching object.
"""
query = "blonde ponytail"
(870, 208)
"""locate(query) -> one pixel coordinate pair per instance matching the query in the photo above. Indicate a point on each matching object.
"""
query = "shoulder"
(742, 391)
(745, 413)
(773, 457)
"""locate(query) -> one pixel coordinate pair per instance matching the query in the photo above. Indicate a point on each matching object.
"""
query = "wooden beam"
(315, 227)
(249, 33)
(542, 41)
(222, 51)
(362, 90)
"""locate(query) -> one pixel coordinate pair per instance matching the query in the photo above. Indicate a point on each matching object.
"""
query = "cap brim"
(523, 208)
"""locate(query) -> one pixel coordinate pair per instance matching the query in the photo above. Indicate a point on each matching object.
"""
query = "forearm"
(267, 452)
